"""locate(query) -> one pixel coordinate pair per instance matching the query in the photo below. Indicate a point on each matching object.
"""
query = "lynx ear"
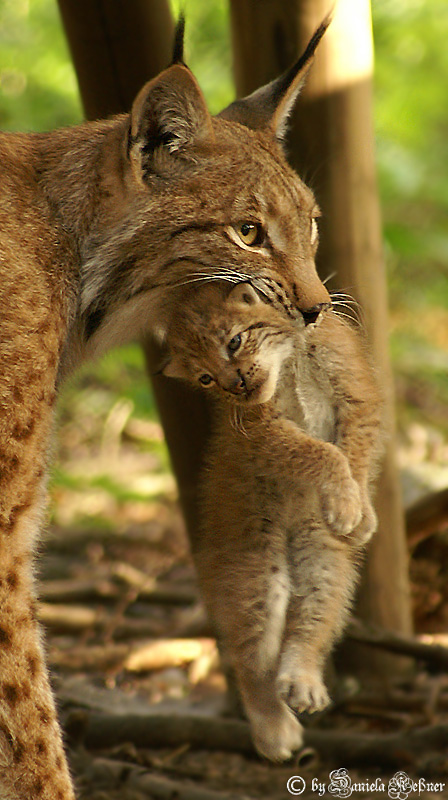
(168, 113)
(244, 293)
(270, 106)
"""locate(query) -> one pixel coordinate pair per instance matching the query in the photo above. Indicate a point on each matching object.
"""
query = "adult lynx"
(98, 223)
(285, 495)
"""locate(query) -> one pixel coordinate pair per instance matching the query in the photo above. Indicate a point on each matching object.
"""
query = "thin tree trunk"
(116, 48)
(331, 145)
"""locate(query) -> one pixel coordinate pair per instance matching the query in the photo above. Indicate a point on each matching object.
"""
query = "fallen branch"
(210, 733)
(69, 590)
(164, 653)
(415, 701)
(129, 776)
(81, 658)
(152, 655)
(161, 730)
(427, 516)
(396, 643)
(392, 750)
(65, 618)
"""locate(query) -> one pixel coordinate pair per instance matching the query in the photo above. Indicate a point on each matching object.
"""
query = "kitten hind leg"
(276, 732)
(247, 588)
(324, 576)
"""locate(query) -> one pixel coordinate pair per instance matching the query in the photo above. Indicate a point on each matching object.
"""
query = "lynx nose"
(311, 314)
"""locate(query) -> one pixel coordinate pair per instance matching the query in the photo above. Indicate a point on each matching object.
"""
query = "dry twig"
(396, 643)
(129, 776)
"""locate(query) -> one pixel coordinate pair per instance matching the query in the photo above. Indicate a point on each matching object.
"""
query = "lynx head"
(198, 197)
(234, 346)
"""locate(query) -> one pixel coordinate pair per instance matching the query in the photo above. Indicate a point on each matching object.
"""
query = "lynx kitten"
(285, 495)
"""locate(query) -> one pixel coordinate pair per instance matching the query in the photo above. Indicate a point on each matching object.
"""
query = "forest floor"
(135, 666)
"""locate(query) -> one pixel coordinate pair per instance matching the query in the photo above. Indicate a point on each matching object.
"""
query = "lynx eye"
(205, 379)
(250, 233)
(234, 343)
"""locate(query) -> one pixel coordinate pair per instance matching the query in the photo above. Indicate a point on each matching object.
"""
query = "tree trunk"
(116, 48)
(331, 145)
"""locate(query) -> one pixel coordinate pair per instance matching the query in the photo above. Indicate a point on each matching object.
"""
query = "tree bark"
(117, 47)
(331, 145)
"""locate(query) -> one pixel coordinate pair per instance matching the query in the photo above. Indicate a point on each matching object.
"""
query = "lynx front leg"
(32, 760)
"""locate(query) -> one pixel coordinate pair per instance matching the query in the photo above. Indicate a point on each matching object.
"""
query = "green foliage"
(412, 143)
(38, 89)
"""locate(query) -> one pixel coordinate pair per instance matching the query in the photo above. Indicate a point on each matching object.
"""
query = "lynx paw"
(277, 736)
(303, 691)
(341, 505)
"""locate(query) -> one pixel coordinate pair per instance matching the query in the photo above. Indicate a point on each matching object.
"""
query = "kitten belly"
(305, 403)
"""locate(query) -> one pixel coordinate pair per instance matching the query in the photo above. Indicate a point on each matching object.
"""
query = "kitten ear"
(172, 367)
(244, 293)
(169, 115)
(270, 106)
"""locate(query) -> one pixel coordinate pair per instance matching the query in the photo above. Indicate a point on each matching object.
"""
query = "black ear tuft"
(179, 35)
(269, 107)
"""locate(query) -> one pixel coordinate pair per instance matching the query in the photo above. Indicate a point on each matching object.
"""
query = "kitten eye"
(205, 379)
(250, 233)
(314, 231)
(234, 343)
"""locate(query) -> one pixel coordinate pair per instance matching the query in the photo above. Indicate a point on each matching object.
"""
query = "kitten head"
(234, 345)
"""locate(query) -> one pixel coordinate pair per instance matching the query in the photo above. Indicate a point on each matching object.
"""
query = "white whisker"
(354, 320)
(238, 420)
(329, 277)
(345, 297)
(204, 278)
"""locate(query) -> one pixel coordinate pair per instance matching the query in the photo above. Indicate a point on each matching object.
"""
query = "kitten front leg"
(312, 465)
(341, 365)
(340, 494)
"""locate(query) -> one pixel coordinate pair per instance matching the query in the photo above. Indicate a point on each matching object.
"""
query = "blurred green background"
(110, 402)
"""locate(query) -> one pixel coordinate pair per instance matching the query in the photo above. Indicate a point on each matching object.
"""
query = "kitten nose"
(311, 314)
(238, 385)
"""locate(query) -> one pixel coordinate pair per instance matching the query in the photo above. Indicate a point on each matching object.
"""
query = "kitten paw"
(367, 527)
(277, 736)
(341, 506)
(304, 691)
